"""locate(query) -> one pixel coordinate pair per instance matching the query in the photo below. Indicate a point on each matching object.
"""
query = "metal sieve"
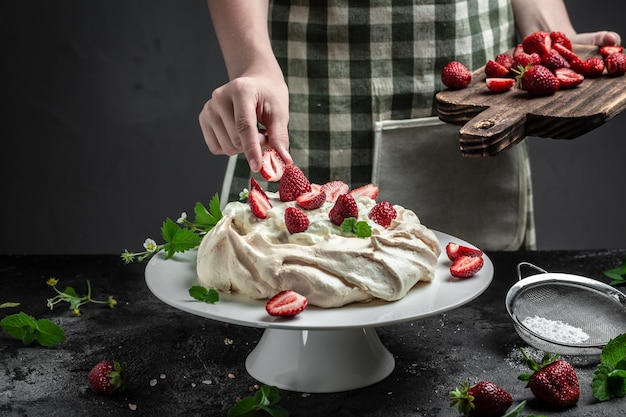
(568, 304)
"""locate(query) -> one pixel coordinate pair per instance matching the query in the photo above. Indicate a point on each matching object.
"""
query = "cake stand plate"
(319, 350)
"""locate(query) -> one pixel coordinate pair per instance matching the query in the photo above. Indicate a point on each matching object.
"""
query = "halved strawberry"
(286, 303)
(560, 38)
(610, 49)
(292, 183)
(466, 266)
(383, 213)
(524, 60)
(272, 165)
(495, 70)
(455, 250)
(499, 85)
(568, 78)
(519, 48)
(344, 207)
(369, 190)
(254, 185)
(311, 200)
(538, 42)
(259, 203)
(566, 53)
(296, 220)
(334, 189)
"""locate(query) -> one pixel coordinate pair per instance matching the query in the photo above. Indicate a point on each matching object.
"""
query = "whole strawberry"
(484, 399)
(615, 64)
(344, 207)
(455, 75)
(292, 183)
(296, 220)
(107, 377)
(383, 213)
(553, 381)
(538, 80)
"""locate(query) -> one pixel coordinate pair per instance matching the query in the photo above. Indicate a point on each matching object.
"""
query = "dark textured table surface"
(184, 365)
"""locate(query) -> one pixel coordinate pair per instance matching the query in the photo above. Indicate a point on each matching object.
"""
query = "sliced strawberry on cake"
(383, 213)
(292, 184)
(311, 200)
(259, 203)
(369, 190)
(334, 189)
(344, 207)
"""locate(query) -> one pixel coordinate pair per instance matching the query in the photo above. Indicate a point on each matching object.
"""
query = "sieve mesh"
(586, 305)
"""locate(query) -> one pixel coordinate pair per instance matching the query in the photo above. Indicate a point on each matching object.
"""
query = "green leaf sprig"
(609, 378)
(200, 293)
(75, 301)
(617, 275)
(28, 329)
(359, 228)
(182, 235)
(264, 402)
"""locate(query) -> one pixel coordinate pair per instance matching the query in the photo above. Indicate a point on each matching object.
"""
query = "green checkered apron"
(362, 76)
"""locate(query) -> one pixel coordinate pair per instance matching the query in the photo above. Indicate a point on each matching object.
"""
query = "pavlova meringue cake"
(259, 256)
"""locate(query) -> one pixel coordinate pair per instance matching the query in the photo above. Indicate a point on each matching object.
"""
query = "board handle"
(492, 131)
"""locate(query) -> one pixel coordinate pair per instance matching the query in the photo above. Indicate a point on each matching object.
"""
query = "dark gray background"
(101, 140)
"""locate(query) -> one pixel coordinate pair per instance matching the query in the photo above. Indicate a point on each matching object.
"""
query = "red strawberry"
(505, 59)
(466, 266)
(539, 81)
(538, 42)
(455, 250)
(560, 38)
(594, 67)
(383, 213)
(369, 190)
(272, 165)
(568, 78)
(334, 189)
(295, 220)
(553, 60)
(293, 183)
(499, 85)
(259, 203)
(610, 49)
(524, 60)
(615, 64)
(484, 399)
(495, 70)
(455, 75)
(565, 52)
(286, 303)
(311, 200)
(107, 377)
(344, 207)
(519, 48)
(552, 381)
(254, 185)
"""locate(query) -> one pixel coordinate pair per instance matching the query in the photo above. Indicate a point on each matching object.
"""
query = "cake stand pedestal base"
(320, 361)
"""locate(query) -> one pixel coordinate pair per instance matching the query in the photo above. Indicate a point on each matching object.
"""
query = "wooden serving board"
(493, 122)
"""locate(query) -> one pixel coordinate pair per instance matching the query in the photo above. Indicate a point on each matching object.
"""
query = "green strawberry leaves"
(617, 275)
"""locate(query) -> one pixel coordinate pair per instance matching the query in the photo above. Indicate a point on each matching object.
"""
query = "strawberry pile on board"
(553, 382)
(542, 64)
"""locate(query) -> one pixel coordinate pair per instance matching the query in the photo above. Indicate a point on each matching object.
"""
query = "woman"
(346, 91)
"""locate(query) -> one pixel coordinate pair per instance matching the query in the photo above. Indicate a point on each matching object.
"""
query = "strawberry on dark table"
(107, 377)
(553, 381)
(484, 399)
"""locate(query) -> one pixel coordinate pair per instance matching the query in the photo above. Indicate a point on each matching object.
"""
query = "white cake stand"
(320, 350)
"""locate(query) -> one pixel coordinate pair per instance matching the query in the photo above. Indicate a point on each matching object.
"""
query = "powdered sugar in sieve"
(555, 330)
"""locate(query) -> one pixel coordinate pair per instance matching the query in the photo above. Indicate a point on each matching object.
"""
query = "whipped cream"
(259, 257)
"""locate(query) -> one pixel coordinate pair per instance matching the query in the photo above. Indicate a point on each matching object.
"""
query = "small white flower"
(150, 245)
(244, 194)
(182, 218)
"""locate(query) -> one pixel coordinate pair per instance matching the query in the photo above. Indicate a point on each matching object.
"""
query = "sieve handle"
(528, 264)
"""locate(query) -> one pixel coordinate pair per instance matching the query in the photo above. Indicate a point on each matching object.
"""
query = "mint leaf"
(265, 399)
(609, 378)
(27, 329)
(617, 275)
(614, 351)
(200, 293)
(49, 333)
(359, 228)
